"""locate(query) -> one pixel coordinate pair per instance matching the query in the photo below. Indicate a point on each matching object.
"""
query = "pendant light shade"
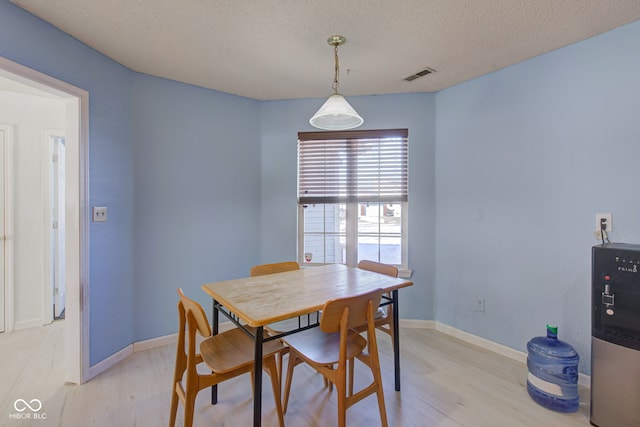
(336, 113)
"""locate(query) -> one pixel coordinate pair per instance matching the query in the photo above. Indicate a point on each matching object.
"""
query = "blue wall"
(525, 159)
(178, 166)
(507, 172)
(197, 195)
(35, 44)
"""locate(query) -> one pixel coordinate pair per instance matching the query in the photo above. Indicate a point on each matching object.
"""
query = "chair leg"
(272, 370)
(351, 370)
(377, 378)
(189, 405)
(287, 384)
(178, 373)
(381, 405)
(341, 391)
(174, 406)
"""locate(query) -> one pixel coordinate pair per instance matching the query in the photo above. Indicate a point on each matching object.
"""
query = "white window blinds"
(353, 166)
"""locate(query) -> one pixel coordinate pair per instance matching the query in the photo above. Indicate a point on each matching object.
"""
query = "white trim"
(519, 356)
(25, 324)
(154, 342)
(8, 228)
(405, 273)
(583, 379)
(417, 324)
(77, 196)
(170, 339)
(139, 346)
(110, 361)
(482, 342)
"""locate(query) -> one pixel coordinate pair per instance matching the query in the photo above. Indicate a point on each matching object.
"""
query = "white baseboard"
(583, 379)
(110, 361)
(417, 324)
(482, 342)
(26, 324)
(137, 346)
(155, 342)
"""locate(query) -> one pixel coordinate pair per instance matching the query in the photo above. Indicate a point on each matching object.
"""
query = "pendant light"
(336, 113)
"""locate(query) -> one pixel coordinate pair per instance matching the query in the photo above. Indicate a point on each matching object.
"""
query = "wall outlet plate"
(99, 213)
(607, 218)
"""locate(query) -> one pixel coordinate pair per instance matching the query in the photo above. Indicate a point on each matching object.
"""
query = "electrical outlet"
(99, 213)
(607, 219)
(479, 305)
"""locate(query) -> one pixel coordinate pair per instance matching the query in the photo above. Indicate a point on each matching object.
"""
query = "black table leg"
(257, 379)
(215, 329)
(396, 339)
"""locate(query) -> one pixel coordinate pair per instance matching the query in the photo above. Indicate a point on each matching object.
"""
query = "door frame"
(8, 228)
(76, 344)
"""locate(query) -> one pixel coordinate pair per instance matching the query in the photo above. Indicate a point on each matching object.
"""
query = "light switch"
(99, 213)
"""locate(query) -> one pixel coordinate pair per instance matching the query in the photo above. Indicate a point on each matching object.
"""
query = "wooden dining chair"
(227, 355)
(329, 348)
(383, 315)
(277, 267)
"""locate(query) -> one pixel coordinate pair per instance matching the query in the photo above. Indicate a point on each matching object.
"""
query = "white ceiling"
(277, 49)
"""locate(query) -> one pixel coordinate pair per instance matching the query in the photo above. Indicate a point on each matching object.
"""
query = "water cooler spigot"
(608, 299)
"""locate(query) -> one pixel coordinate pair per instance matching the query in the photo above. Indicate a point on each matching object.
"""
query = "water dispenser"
(615, 330)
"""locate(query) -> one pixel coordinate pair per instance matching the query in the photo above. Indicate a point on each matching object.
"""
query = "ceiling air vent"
(420, 74)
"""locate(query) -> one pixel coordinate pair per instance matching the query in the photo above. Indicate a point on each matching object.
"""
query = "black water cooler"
(615, 341)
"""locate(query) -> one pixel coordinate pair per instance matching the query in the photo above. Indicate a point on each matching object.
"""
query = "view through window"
(352, 196)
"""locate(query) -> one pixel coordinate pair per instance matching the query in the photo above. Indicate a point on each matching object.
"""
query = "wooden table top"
(262, 300)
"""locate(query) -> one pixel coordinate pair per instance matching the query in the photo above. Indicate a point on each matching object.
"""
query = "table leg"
(215, 329)
(257, 379)
(396, 338)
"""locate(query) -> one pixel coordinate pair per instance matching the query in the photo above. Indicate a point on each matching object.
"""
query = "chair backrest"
(199, 316)
(359, 309)
(378, 267)
(278, 267)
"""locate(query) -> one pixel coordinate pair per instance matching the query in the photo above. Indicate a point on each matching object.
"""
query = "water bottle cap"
(552, 329)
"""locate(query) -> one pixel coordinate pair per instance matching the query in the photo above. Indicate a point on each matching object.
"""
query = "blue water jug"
(553, 372)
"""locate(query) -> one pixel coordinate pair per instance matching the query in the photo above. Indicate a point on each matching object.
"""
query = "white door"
(2, 228)
(58, 236)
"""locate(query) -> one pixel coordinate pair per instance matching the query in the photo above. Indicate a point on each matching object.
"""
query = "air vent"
(420, 74)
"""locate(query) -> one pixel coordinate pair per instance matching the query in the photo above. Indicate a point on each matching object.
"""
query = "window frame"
(353, 205)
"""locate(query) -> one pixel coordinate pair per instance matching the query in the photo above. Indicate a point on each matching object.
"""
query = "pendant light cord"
(337, 71)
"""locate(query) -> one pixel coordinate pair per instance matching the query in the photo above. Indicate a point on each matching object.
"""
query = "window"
(352, 196)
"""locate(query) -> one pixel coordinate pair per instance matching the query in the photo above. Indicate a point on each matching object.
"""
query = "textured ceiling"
(278, 50)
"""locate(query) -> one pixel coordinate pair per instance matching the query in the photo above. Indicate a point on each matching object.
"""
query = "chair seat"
(232, 350)
(323, 348)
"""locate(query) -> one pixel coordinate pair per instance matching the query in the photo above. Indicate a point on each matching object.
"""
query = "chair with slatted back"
(277, 267)
(384, 315)
(331, 347)
(227, 355)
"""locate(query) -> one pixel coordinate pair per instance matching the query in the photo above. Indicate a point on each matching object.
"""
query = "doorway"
(75, 218)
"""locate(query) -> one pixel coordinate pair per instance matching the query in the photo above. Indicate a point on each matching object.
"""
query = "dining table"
(254, 303)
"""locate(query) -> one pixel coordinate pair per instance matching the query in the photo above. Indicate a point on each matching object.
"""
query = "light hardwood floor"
(445, 382)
